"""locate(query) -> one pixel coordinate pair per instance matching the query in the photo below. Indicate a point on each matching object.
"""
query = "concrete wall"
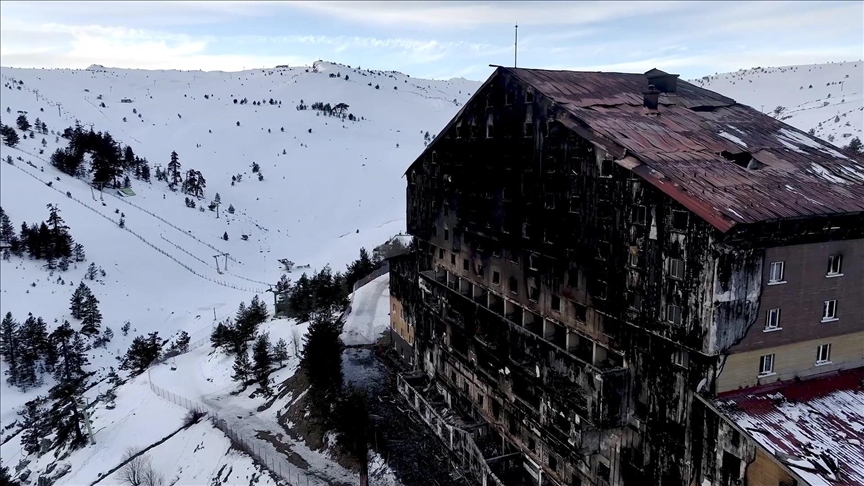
(806, 288)
(741, 370)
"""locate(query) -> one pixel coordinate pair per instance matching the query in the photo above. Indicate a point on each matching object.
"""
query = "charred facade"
(574, 282)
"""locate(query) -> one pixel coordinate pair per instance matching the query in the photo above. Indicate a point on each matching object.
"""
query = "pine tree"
(64, 416)
(258, 310)
(174, 171)
(7, 231)
(141, 353)
(280, 351)
(354, 428)
(60, 237)
(262, 362)
(242, 366)
(321, 361)
(225, 236)
(32, 337)
(91, 318)
(76, 304)
(219, 337)
(78, 252)
(22, 123)
(145, 171)
(33, 426)
(10, 136)
(182, 342)
(230, 209)
(92, 271)
(9, 349)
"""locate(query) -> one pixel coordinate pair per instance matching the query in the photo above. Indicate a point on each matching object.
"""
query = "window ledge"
(772, 329)
(779, 282)
(764, 375)
(830, 319)
(823, 363)
(833, 275)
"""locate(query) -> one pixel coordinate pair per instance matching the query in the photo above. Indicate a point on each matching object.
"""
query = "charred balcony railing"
(459, 441)
(599, 394)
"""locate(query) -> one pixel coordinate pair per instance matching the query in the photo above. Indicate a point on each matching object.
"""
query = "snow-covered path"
(370, 312)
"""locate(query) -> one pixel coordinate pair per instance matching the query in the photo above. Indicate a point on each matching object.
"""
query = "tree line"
(111, 163)
(49, 240)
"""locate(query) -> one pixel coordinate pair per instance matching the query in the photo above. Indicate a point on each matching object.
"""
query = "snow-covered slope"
(330, 186)
(828, 98)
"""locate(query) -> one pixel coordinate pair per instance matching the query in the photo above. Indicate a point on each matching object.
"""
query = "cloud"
(430, 38)
(474, 14)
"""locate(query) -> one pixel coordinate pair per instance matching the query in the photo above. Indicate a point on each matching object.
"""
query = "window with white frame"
(776, 272)
(835, 265)
(772, 320)
(532, 261)
(673, 314)
(766, 365)
(678, 358)
(823, 354)
(676, 268)
(829, 310)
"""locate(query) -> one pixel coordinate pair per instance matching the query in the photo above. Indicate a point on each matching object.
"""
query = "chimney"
(663, 81)
(651, 97)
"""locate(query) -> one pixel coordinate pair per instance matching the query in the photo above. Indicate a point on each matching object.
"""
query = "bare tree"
(139, 470)
(152, 477)
(132, 474)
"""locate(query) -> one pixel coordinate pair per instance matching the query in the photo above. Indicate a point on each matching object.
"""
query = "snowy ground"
(329, 188)
(828, 98)
(370, 314)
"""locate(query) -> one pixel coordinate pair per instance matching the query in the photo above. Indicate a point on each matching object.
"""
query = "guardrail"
(372, 276)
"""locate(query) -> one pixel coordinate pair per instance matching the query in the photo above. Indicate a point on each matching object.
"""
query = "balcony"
(542, 355)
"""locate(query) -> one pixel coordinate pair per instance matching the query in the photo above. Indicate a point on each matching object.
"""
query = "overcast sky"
(432, 39)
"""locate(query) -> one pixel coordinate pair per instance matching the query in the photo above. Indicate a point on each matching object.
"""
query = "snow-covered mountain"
(827, 98)
(330, 186)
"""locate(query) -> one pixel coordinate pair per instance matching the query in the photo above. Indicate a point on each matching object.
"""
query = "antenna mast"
(516, 45)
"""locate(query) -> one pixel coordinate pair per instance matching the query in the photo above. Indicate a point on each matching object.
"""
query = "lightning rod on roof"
(515, 45)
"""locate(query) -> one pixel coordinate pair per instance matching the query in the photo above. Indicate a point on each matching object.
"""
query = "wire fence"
(131, 231)
(264, 452)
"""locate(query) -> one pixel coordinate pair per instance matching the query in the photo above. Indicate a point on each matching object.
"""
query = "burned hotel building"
(608, 269)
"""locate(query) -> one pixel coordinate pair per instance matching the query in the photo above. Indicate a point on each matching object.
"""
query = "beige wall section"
(741, 370)
(765, 471)
(399, 325)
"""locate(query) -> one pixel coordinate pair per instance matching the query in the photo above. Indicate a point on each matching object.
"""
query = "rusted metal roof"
(814, 427)
(686, 148)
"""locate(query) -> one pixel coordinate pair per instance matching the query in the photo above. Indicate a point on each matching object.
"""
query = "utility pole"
(81, 405)
(516, 45)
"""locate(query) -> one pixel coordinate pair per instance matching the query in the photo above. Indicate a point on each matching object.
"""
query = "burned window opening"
(508, 98)
(680, 220)
(742, 159)
(704, 108)
(529, 96)
(606, 168)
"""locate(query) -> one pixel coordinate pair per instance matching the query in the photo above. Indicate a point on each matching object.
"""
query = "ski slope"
(828, 98)
(330, 187)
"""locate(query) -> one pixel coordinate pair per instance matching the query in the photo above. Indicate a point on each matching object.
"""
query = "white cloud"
(473, 14)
